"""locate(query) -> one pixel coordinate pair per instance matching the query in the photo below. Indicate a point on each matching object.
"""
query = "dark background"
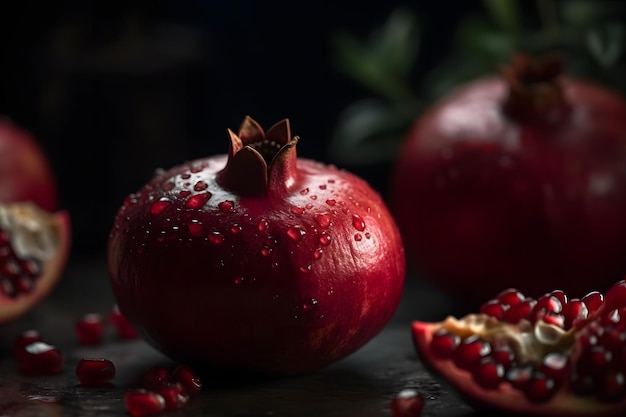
(114, 90)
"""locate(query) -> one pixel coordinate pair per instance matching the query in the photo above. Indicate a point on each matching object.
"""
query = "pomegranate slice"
(34, 247)
(559, 358)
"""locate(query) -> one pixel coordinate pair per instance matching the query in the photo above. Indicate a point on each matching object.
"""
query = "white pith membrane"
(529, 342)
(30, 230)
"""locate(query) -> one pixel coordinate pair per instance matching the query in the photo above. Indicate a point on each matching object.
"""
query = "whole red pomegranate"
(516, 180)
(546, 356)
(257, 260)
(34, 238)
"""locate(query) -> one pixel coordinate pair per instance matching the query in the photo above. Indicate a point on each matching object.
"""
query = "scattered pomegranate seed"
(407, 403)
(24, 339)
(125, 330)
(40, 358)
(175, 396)
(96, 371)
(141, 402)
(155, 377)
(184, 375)
(89, 329)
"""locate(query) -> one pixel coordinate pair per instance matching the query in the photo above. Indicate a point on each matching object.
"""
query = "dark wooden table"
(361, 385)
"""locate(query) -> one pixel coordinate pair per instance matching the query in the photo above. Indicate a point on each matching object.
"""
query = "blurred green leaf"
(384, 62)
(606, 44)
(582, 13)
(504, 12)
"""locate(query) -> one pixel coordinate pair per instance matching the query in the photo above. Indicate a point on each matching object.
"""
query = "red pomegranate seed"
(155, 377)
(555, 365)
(510, 297)
(407, 403)
(24, 339)
(594, 300)
(503, 355)
(470, 352)
(185, 376)
(573, 312)
(174, 395)
(550, 318)
(95, 371)
(594, 361)
(124, 328)
(141, 402)
(559, 295)
(615, 297)
(548, 303)
(40, 358)
(540, 388)
(519, 377)
(444, 343)
(493, 308)
(612, 340)
(489, 373)
(519, 311)
(89, 329)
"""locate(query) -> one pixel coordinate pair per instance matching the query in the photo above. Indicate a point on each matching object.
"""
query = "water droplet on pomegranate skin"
(298, 211)
(408, 403)
(168, 186)
(305, 269)
(304, 191)
(226, 205)
(317, 253)
(158, 206)
(296, 233)
(262, 225)
(216, 238)
(358, 237)
(309, 305)
(93, 372)
(198, 200)
(331, 202)
(195, 228)
(323, 220)
(141, 402)
(238, 280)
(235, 229)
(324, 239)
(129, 200)
(358, 222)
(89, 329)
(184, 193)
(270, 242)
(40, 358)
(266, 252)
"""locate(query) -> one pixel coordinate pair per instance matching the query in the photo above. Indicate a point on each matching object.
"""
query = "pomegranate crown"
(260, 162)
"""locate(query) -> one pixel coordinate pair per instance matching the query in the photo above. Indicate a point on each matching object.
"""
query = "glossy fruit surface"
(257, 260)
(34, 248)
(25, 171)
(561, 357)
(95, 371)
(516, 181)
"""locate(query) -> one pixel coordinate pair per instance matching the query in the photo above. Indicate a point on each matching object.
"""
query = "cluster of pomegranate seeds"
(162, 389)
(36, 357)
(17, 276)
(407, 403)
(591, 359)
(95, 371)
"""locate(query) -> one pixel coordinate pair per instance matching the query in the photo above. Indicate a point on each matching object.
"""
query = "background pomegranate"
(549, 356)
(517, 180)
(34, 237)
(257, 260)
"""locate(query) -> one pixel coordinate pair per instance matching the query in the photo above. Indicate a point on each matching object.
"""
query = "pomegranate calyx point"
(260, 162)
(535, 91)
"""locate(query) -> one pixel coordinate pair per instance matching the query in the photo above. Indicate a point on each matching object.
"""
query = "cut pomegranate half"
(34, 248)
(559, 357)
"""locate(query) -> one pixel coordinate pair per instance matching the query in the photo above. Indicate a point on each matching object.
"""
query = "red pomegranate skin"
(284, 283)
(486, 202)
(25, 171)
